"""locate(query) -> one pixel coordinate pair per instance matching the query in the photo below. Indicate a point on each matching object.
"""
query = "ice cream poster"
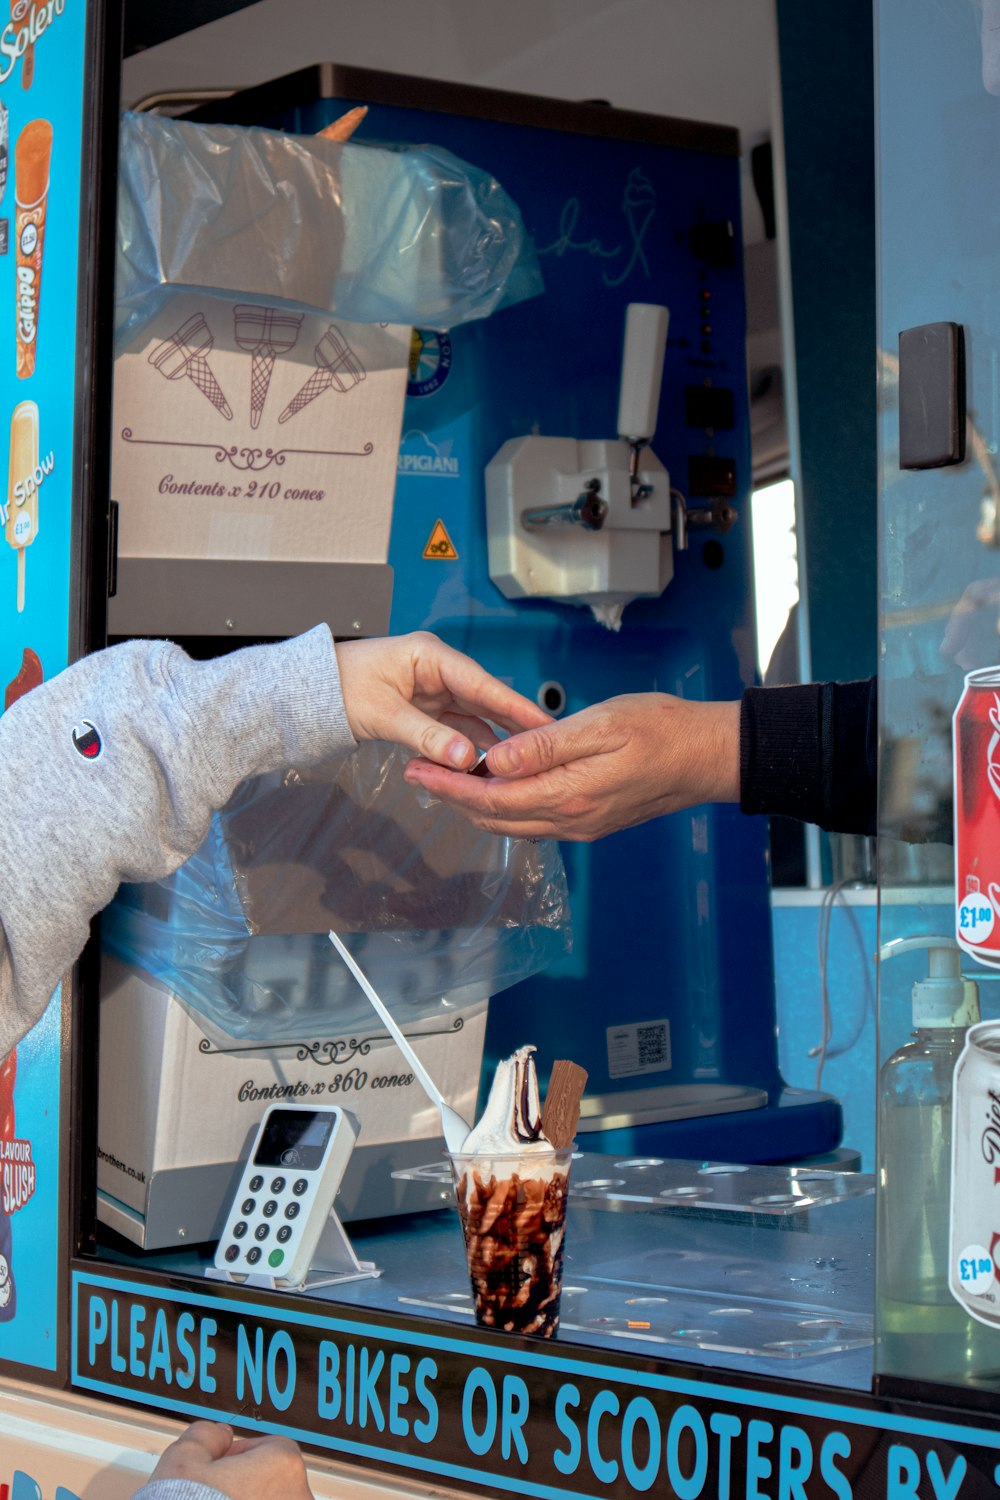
(247, 430)
(43, 72)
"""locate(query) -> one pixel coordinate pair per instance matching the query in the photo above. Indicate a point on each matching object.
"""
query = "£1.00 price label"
(975, 918)
(975, 1269)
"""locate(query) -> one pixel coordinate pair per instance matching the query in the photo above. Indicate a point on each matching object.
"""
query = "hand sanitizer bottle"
(922, 1332)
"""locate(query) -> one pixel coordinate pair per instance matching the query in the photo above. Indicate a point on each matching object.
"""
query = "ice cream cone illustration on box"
(22, 487)
(185, 353)
(337, 365)
(32, 155)
(263, 333)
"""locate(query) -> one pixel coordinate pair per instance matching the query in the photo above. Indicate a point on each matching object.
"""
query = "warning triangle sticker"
(440, 547)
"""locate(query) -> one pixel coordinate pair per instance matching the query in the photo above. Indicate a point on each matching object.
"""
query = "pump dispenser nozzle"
(944, 998)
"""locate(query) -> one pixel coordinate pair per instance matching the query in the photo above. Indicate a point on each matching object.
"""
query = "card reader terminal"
(286, 1191)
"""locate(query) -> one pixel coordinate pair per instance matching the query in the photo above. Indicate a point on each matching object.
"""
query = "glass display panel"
(938, 123)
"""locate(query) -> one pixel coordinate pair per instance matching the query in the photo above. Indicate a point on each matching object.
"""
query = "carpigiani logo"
(419, 454)
(28, 20)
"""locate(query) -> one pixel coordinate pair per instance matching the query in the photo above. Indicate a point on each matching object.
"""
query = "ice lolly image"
(22, 490)
(263, 333)
(337, 365)
(29, 676)
(511, 1185)
(32, 154)
(185, 354)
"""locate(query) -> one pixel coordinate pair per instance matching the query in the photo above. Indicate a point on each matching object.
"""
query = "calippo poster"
(43, 74)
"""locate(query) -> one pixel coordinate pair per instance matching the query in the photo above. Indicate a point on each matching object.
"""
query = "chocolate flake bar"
(562, 1102)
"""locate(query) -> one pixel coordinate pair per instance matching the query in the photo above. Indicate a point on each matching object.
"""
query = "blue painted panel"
(40, 620)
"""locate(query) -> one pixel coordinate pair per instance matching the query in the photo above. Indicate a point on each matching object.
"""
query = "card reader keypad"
(260, 1231)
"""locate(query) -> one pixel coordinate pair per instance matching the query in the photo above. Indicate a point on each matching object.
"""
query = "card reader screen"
(295, 1138)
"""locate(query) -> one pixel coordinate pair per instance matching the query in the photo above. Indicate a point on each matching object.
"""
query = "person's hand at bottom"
(252, 1468)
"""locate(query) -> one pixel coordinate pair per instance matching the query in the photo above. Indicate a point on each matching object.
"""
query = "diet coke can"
(974, 1261)
(976, 743)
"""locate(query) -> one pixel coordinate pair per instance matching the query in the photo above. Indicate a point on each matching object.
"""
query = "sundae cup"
(513, 1212)
(511, 1184)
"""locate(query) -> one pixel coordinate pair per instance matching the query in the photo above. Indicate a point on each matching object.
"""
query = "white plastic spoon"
(455, 1129)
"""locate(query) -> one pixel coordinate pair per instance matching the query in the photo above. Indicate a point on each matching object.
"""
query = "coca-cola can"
(974, 1261)
(976, 747)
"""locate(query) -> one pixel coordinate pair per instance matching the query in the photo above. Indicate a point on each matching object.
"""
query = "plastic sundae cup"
(513, 1213)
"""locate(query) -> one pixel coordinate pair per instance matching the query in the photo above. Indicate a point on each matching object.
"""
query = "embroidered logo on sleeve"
(87, 740)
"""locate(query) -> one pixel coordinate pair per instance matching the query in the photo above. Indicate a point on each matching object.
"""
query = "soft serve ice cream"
(511, 1123)
(512, 1182)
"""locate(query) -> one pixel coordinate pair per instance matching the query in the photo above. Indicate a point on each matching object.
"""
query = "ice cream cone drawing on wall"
(185, 355)
(23, 479)
(264, 333)
(337, 365)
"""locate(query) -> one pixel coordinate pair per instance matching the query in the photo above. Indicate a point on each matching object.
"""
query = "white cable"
(823, 1052)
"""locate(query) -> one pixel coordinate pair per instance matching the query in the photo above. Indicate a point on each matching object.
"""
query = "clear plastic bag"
(438, 914)
(375, 234)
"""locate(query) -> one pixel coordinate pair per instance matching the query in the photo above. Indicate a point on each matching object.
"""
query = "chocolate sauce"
(514, 1230)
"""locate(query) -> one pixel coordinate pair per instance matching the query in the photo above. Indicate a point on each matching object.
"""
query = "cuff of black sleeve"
(780, 751)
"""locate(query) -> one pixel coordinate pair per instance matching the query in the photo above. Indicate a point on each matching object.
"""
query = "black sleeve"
(810, 751)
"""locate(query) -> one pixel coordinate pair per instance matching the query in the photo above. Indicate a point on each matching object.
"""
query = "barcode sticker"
(641, 1047)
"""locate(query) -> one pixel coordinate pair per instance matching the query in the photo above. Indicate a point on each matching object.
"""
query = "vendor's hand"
(608, 767)
(416, 691)
(255, 1468)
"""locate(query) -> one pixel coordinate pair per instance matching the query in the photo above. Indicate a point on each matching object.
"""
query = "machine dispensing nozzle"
(588, 510)
(642, 375)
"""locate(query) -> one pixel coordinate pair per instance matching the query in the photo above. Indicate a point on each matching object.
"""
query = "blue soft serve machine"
(530, 532)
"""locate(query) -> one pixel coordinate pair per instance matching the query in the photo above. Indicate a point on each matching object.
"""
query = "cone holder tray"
(684, 1318)
(652, 1183)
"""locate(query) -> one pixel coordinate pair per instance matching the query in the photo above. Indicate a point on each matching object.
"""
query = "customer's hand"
(416, 691)
(608, 767)
(254, 1468)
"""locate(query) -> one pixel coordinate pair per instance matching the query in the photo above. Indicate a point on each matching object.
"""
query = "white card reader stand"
(281, 1232)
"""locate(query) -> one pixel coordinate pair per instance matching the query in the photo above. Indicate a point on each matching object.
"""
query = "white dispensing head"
(642, 370)
(944, 998)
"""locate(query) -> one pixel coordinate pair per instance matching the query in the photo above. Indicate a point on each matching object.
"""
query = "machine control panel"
(286, 1191)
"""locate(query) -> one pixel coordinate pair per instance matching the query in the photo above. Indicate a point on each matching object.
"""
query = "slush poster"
(42, 67)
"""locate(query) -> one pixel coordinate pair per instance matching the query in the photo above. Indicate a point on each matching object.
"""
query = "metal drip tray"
(655, 1106)
(653, 1183)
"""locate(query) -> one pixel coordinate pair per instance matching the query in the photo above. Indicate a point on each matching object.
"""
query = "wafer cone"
(185, 355)
(264, 333)
(343, 128)
(319, 381)
(336, 365)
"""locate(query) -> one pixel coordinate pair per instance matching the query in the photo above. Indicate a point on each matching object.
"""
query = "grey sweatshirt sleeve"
(177, 1489)
(111, 771)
